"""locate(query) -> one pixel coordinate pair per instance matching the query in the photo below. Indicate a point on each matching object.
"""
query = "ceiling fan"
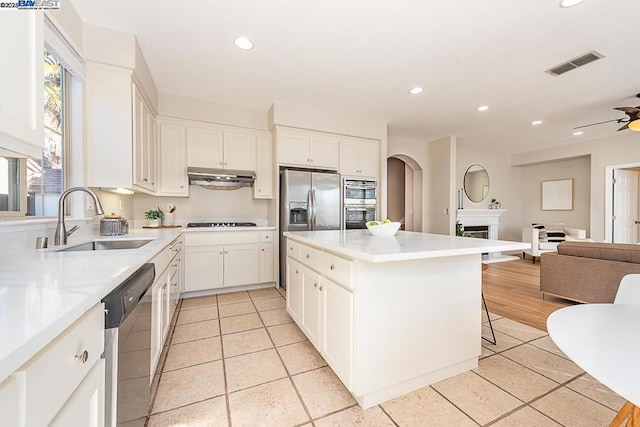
(631, 122)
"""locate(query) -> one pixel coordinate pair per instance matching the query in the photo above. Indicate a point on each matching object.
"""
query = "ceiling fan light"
(635, 125)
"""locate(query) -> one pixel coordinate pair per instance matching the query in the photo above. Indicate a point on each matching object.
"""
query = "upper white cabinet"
(121, 131)
(144, 143)
(21, 82)
(359, 157)
(263, 186)
(172, 160)
(308, 149)
(221, 149)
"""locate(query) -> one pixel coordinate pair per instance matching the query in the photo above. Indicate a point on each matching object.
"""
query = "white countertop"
(43, 292)
(602, 340)
(405, 245)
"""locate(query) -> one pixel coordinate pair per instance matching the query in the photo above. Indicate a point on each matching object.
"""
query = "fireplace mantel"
(489, 218)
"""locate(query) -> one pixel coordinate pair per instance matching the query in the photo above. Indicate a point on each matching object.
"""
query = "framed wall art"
(557, 195)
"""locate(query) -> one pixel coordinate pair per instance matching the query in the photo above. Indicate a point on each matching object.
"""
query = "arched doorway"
(404, 191)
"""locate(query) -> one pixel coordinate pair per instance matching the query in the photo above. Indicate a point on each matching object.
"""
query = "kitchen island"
(389, 314)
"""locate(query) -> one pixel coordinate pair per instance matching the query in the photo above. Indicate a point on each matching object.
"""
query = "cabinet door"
(323, 152)
(239, 151)
(85, 407)
(172, 174)
(262, 188)
(338, 329)
(241, 264)
(293, 149)
(166, 306)
(368, 159)
(294, 290)
(204, 148)
(157, 338)
(12, 400)
(266, 263)
(139, 134)
(151, 150)
(21, 81)
(348, 158)
(311, 306)
(203, 268)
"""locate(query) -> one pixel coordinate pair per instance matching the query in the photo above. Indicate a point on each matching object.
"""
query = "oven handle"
(358, 209)
(360, 187)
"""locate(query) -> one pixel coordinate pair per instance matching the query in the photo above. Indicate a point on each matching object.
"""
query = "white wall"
(203, 204)
(620, 149)
(504, 181)
(531, 178)
(68, 22)
(212, 112)
(442, 173)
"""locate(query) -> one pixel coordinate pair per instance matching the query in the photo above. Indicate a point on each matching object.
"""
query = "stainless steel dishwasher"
(127, 349)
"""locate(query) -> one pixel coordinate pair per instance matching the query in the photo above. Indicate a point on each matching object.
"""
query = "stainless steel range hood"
(220, 179)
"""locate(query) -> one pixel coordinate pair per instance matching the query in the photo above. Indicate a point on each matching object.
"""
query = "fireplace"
(477, 231)
(483, 224)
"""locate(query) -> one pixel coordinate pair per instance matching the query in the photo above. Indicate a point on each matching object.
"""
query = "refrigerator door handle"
(309, 211)
(314, 212)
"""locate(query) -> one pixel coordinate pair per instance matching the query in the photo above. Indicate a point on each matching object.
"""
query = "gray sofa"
(586, 271)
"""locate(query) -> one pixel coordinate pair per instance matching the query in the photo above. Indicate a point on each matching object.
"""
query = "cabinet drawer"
(310, 257)
(161, 261)
(336, 268)
(209, 238)
(175, 247)
(62, 366)
(266, 237)
(293, 249)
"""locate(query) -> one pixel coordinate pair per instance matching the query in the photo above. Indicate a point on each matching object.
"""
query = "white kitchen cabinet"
(241, 264)
(86, 406)
(21, 81)
(263, 185)
(56, 384)
(312, 306)
(172, 160)
(209, 147)
(337, 327)
(359, 157)
(267, 273)
(144, 143)
(308, 149)
(203, 268)
(294, 290)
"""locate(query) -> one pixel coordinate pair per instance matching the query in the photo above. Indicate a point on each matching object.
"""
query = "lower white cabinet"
(312, 315)
(86, 406)
(64, 383)
(322, 307)
(215, 260)
(294, 290)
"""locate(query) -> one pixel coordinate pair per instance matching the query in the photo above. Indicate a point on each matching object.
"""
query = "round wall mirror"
(476, 183)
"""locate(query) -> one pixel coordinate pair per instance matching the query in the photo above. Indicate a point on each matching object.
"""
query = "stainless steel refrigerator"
(309, 201)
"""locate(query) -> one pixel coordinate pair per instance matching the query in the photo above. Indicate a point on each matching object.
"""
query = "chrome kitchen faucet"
(61, 231)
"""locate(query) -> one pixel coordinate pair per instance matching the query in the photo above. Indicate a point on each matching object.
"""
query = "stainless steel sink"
(103, 245)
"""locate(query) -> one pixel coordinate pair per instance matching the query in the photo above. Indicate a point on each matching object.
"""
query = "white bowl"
(388, 229)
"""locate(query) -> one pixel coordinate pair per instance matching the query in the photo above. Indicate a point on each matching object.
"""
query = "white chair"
(629, 290)
(532, 235)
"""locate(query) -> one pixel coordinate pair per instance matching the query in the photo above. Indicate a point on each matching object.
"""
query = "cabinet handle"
(82, 357)
(262, 249)
(308, 256)
(176, 265)
(333, 267)
(226, 252)
(291, 248)
(266, 237)
(145, 179)
(220, 253)
(182, 186)
(296, 271)
(315, 285)
(311, 160)
(320, 289)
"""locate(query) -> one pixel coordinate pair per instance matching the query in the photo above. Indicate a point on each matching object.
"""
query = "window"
(31, 187)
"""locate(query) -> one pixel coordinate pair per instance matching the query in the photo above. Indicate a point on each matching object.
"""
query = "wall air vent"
(574, 63)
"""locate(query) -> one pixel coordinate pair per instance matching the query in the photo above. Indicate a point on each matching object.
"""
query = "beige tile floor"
(238, 360)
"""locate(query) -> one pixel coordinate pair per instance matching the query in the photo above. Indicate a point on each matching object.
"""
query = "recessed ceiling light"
(416, 90)
(536, 122)
(483, 108)
(578, 133)
(243, 43)
(569, 3)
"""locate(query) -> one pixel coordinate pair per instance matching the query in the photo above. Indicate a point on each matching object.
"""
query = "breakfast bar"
(389, 314)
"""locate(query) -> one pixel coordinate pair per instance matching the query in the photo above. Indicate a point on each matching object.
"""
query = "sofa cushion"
(607, 251)
(542, 232)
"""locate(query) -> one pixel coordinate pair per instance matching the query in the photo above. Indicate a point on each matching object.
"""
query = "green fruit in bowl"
(387, 221)
(372, 223)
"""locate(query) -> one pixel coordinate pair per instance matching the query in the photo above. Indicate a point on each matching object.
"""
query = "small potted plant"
(154, 216)
(495, 204)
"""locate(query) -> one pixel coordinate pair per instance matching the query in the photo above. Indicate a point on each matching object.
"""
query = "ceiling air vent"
(575, 63)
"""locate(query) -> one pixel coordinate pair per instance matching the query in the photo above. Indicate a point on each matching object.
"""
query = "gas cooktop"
(221, 224)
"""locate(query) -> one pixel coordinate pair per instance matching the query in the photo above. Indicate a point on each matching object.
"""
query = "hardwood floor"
(512, 290)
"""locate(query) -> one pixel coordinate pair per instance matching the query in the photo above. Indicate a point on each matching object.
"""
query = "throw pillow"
(542, 232)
